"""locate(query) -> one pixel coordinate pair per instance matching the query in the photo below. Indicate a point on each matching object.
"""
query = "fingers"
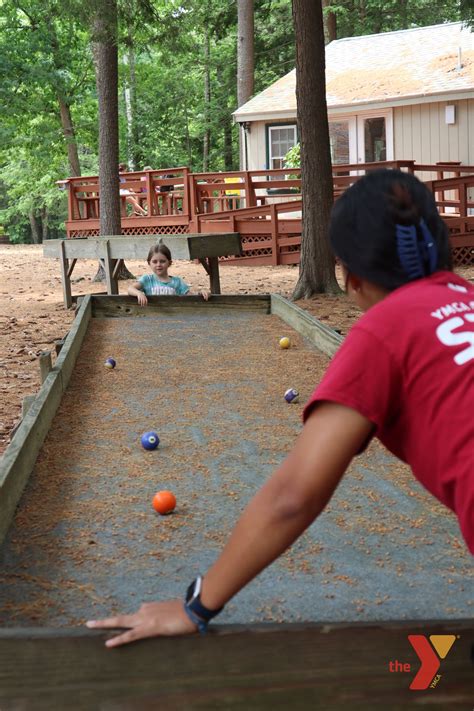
(111, 622)
(126, 637)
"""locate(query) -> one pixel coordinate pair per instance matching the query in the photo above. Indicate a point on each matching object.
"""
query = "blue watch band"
(201, 624)
(194, 608)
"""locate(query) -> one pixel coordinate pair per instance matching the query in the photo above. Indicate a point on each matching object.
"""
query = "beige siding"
(421, 133)
(256, 146)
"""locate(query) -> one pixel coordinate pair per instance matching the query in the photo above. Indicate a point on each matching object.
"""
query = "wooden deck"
(264, 206)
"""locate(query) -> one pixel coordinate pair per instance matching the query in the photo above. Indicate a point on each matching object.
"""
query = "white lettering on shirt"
(446, 335)
(457, 287)
(453, 308)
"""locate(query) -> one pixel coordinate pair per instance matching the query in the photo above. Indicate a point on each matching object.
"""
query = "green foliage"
(293, 157)
(45, 58)
(374, 16)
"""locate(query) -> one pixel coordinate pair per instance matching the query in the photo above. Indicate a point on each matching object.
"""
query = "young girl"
(405, 373)
(159, 282)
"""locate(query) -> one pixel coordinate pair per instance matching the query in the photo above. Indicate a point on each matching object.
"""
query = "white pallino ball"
(292, 395)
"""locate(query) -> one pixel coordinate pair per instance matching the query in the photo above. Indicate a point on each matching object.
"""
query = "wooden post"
(45, 364)
(274, 229)
(28, 400)
(65, 276)
(111, 281)
(58, 344)
(186, 190)
(214, 275)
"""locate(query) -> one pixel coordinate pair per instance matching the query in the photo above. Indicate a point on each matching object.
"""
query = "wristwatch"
(195, 610)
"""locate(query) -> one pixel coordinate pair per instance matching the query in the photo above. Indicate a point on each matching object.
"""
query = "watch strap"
(193, 605)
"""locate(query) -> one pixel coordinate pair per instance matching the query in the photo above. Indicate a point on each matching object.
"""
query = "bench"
(112, 251)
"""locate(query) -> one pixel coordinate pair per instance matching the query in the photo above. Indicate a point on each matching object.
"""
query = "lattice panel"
(157, 230)
(463, 256)
(83, 233)
(251, 239)
(162, 230)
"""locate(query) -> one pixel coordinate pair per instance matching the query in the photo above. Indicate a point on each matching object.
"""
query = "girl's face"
(159, 265)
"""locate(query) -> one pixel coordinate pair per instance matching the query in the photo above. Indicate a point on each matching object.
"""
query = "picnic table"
(113, 250)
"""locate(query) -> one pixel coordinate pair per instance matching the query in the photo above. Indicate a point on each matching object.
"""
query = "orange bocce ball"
(164, 502)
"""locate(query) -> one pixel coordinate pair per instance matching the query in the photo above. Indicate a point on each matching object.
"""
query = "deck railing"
(263, 205)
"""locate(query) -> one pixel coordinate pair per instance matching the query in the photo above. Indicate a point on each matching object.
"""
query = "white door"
(374, 137)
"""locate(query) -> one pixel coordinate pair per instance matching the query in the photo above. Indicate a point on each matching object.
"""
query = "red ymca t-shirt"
(408, 366)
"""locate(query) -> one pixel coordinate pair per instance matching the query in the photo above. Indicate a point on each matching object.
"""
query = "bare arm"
(278, 514)
(136, 289)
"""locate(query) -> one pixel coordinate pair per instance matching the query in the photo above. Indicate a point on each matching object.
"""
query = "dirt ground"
(32, 314)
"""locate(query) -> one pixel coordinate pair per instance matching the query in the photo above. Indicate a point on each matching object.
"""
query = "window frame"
(272, 126)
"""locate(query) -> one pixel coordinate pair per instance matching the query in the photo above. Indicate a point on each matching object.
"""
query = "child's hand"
(142, 300)
(205, 294)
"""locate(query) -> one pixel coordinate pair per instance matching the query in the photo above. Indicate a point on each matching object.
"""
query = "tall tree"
(104, 37)
(245, 50)
(317, 262)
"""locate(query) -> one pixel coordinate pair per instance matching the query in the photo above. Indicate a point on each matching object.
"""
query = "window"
(280, 140)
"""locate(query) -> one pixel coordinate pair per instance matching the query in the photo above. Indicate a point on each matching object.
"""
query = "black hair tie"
(417, 250)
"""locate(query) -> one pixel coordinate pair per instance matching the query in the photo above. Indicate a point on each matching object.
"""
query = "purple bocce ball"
(110, 363)
(292, 395)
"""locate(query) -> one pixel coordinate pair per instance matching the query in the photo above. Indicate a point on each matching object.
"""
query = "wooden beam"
(264, 667)
(137, 247)
(323, 337)
(19, 457)
(116, 306)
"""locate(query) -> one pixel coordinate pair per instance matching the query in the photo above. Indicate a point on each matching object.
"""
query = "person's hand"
(142, 300)
(153, 619)
(205, 295)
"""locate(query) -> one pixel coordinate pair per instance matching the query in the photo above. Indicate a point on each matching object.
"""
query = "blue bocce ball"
(150, 440)
(292, 395)
(110, 363)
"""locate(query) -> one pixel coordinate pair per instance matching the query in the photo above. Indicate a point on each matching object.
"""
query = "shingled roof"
(392, 67)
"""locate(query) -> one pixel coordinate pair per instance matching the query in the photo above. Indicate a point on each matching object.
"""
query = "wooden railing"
(263, 205)
(163, 194)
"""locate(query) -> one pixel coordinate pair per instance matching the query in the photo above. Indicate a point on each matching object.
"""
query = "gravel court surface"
(86, 541)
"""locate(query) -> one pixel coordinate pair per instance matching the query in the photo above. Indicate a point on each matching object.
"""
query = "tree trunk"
(207, 101)
(106, 67)
(245, 50)
(317, 274)
(225, 119)
(44, 224)
(188, 137)
(330, 22)
(35, 228)
(134, 154)
(69, 137)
